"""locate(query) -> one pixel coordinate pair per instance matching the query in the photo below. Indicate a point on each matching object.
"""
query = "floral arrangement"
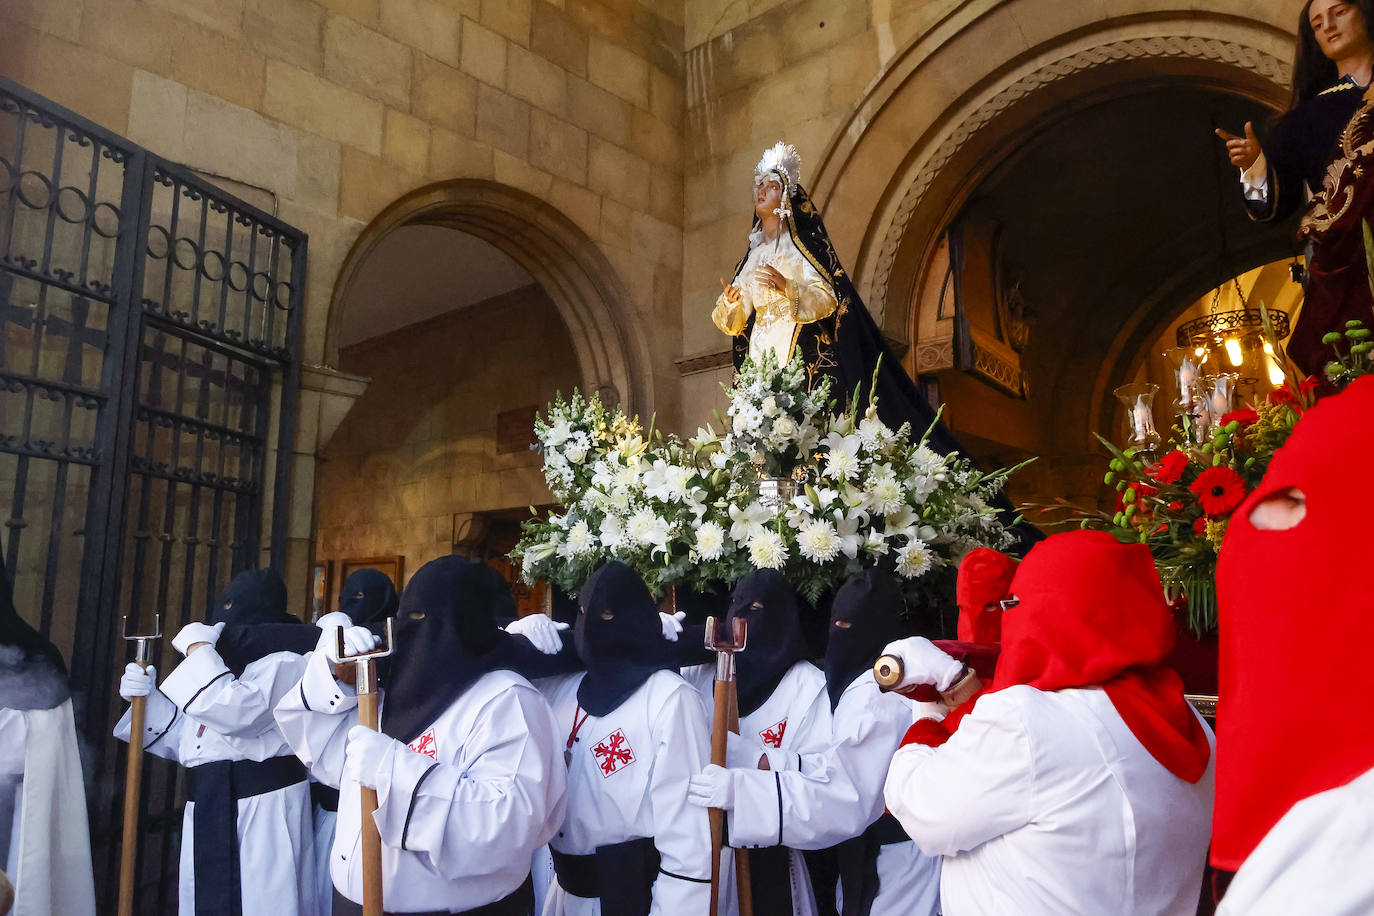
(1181, 504)
(791, 485)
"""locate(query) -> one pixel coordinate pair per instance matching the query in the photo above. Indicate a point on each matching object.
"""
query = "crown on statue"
(781, 160)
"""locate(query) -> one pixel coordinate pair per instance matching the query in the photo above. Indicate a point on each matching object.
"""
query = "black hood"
(769, 604)
(367, 596)
(870, 603)
(256, 623)
(32, 673)
(619, 637)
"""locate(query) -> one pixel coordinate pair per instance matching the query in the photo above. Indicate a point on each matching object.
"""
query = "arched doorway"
(1039, 224)
(469, 306)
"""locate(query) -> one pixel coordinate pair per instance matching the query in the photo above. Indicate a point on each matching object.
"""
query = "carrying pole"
(133, 772)
(724, 712)
(366, 682)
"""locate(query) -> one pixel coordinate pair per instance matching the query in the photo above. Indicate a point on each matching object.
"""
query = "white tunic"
(460, 811)
(1045, 803)
(836, 793)
(200, 714)
(1317, 859)
(49, 859)
(794, 720)
(628, 778)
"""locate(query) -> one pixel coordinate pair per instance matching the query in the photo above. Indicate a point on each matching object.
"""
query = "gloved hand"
(356, 640)
(137, 682)
(193, 633)
(363, 755)
(541, 631)
(334, 619)
(672, 624)
(742, 753)
(929, 710)
(712, 788)
(923, 663)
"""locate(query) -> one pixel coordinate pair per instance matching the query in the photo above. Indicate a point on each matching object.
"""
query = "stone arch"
(612, 353)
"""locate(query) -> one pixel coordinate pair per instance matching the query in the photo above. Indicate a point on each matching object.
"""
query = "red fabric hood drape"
(1092, 613)
(984, 578)
(1296, 611)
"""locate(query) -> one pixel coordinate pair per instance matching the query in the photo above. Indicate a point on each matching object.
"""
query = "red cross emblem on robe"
(613, 753)
(425, 745)
(772, 735)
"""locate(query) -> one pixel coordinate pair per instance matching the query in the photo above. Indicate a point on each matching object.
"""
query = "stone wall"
(420, 445)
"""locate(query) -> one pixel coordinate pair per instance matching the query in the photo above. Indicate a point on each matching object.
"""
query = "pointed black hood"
(863, 619)
(619, 637)
(32, 672)
(256, 623)
(769, 604)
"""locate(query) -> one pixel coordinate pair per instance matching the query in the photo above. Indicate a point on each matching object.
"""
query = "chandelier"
(1235, 341)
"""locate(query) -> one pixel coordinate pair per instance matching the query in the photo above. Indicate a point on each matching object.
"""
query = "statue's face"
(1339, 27)
(767, 197)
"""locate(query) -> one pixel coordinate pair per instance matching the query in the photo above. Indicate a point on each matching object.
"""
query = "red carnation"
(1170, 467)
(1219, 489)
(1245, 415)
(1200, 527)
(1175, 506)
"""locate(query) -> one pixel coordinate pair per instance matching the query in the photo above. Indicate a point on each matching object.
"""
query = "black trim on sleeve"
(414, 794)
(304, 701)
(166, 728)
(777, 780)
(664, 871)
(196, 695)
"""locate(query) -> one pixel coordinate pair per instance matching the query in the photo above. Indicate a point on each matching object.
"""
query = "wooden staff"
(723, 693)
(133, 772)
(366, 682)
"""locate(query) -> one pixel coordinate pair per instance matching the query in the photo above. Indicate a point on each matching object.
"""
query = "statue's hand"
(770, 277)
(731, 293)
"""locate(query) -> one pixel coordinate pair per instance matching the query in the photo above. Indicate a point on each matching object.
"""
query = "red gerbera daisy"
(1170, 467)
(1219, 489)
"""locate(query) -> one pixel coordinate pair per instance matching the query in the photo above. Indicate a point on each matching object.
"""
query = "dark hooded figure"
(247, 834)
(252, 608)
(634, 732)
(834, 795)
(466, 766)
(44, 836)
(368, 596)
(784, 715)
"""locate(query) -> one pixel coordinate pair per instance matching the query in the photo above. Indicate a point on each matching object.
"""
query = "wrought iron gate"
(149, 338)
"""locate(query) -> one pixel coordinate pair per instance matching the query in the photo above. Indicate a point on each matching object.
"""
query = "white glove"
(541, 631)
(742, 753)
(193, 633)
(928, 710)
(137, 682)
(672, 624)
(356, 640)
(923, 663)
(334, 619)
(712, 788)
(363, 755)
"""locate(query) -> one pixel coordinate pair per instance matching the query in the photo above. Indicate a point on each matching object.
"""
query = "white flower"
(576, 453)
(646, 529)
(710, 541)
(748, 523)
(612, 532)
(817, 541)
(719, 460)
(580, 539)
(874, 432)
(747, 420)
(842, 457)
(885, 495)
(914, 560)
(767, 550)
(785, 428)
(875, 543)
(558, 432)
(808, 437)
(851, 539)
(769, 406)
(922, 485)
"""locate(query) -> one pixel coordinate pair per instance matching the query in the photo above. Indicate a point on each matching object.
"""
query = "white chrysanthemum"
(580, 539)
(885, 495)
(874, 432)
(767, 550)
(914, 560)
(710, 541)
(922, 485)
(612, 532)
(817, 541)
(642, 526)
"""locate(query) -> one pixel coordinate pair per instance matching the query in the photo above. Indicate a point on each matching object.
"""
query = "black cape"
(253, 609)
(1300, 147)
(32, 672)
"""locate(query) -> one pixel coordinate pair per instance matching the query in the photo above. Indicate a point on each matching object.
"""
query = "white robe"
(50, 845)
(628, 778)
(1319, 858)
(794, 720)
(837, 792)
(460, 810)
(200, 714)
(325, 822)
(1045, 803)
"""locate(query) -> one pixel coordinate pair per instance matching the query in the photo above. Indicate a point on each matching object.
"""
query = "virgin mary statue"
(790, 295)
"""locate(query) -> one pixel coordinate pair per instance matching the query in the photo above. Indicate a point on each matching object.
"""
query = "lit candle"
(1141, 420)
